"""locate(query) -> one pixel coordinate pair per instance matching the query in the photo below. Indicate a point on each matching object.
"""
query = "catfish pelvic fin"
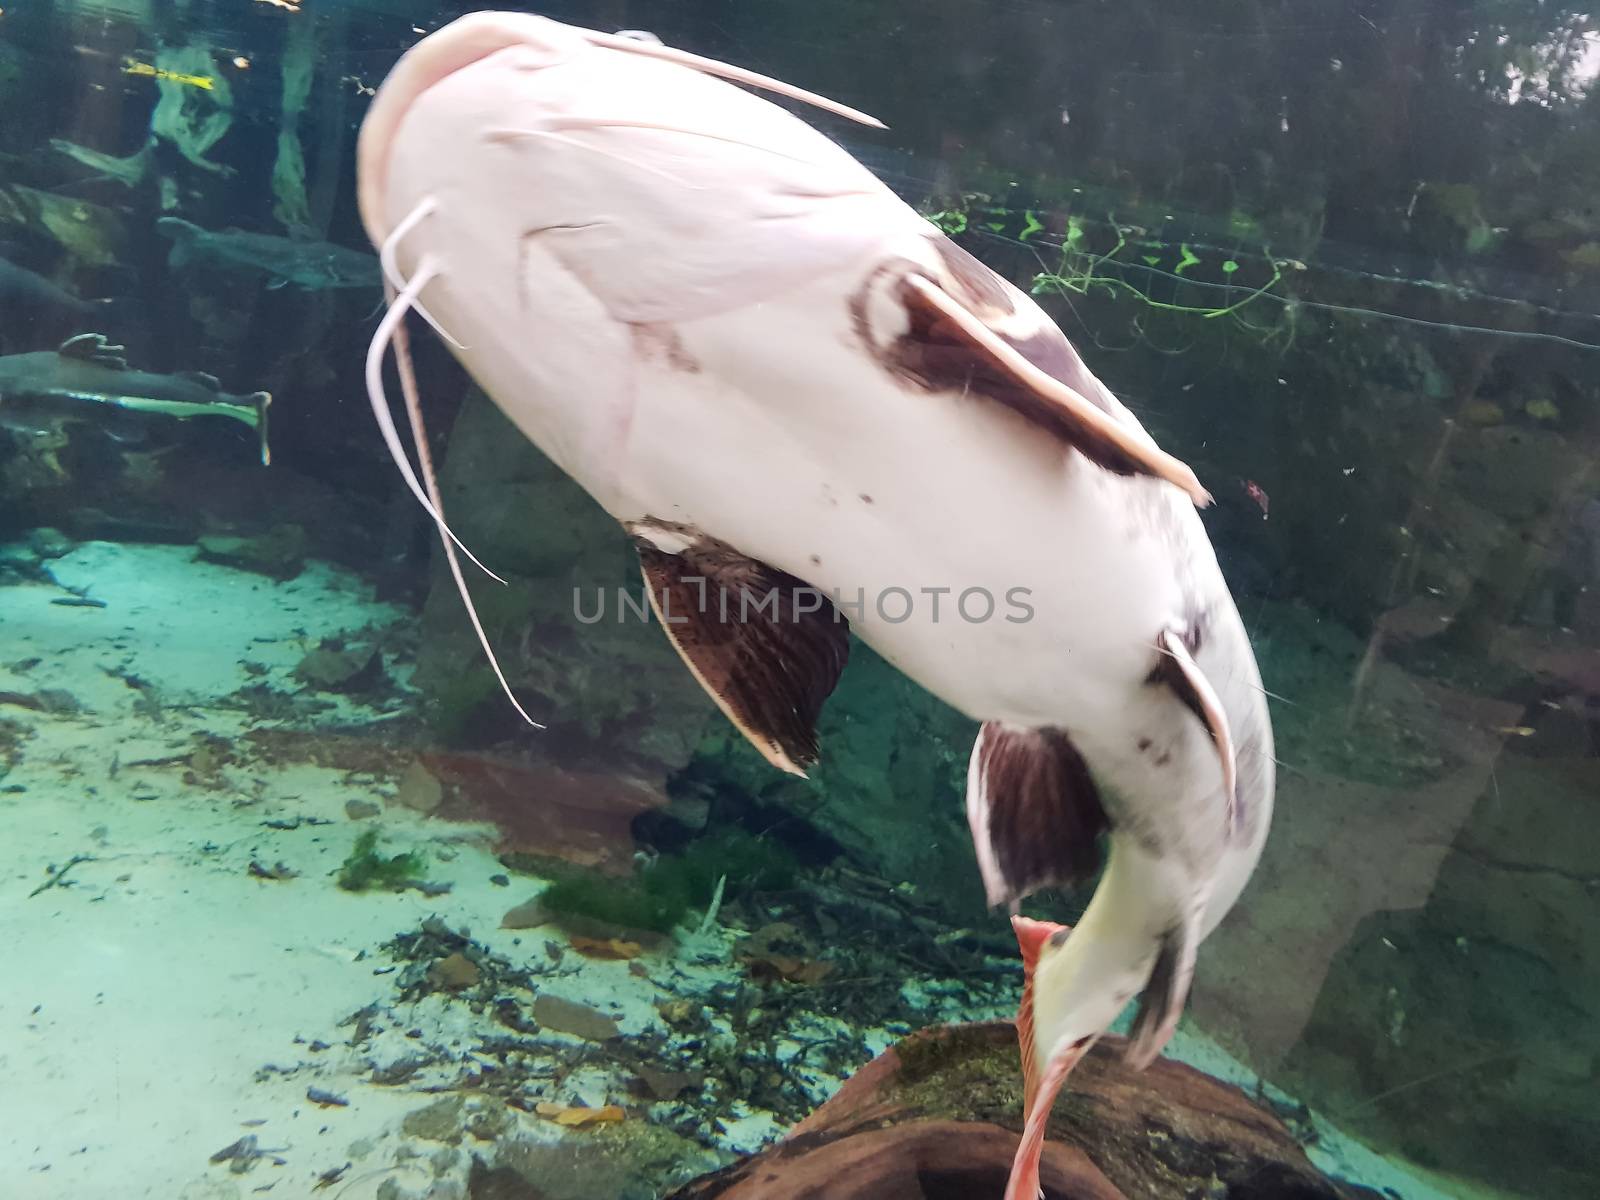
(767, 648)
(1178, 671)
(1034, 811)
(953, 336)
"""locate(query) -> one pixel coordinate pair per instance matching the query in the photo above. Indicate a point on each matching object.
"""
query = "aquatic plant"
(365, 868)
(1082, 270)
(668, 888)
(1136, 259)
(642, 903)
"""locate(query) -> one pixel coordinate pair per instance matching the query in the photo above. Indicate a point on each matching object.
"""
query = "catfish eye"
(640, 35)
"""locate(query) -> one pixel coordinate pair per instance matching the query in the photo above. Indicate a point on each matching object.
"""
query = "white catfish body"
(778, 377)
(649, 309)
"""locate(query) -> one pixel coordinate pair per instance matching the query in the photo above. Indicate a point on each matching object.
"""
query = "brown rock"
(918, 1159)
(419, 790)
(566, 1016)
(658, 1084)
(610, 949)
(530, 914)
(583, 817)
(456, 971)
(331, 668)
(437, 1122)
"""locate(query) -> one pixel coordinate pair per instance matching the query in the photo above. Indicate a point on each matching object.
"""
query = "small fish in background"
(36, 311)
(87, 379)
(132, 66)
(1257, 493)
(32, 292)
(301, 262)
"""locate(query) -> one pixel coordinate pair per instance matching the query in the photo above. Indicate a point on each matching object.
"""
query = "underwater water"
(293, 902)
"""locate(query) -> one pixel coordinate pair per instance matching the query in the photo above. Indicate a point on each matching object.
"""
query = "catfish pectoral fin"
(767, 647)
(942, 319)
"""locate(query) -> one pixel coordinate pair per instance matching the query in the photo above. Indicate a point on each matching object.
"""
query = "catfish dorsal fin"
(93, 348)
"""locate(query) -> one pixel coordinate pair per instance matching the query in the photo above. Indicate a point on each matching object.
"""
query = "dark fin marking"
(1161, 1003)
(1177, 670)
(1034, 811)
(767, 647)
(949, 347)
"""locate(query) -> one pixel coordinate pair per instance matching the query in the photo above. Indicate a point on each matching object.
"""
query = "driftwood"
(937, 1116)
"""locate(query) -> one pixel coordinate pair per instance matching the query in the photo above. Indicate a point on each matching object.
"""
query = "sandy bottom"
(161, 1001)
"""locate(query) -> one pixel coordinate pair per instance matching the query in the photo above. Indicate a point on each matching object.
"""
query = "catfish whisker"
(391, 266)
(1268, 692)
(391, 330)
(408, 388)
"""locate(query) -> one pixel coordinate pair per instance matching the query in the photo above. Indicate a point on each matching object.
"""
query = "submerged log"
(938, 1116)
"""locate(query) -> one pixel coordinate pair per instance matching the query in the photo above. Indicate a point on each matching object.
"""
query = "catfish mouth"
(475, 37)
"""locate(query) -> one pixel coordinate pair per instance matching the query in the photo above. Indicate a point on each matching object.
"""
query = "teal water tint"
(270, 828)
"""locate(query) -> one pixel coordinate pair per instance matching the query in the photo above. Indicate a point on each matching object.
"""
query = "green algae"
(366, 869)
(668, 889)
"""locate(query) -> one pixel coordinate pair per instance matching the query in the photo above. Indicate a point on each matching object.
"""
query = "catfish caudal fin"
(1039, 1090)
(1032, 937)
(1024, 1182)
(182, 235)
(261, 401)
(1034, 812)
